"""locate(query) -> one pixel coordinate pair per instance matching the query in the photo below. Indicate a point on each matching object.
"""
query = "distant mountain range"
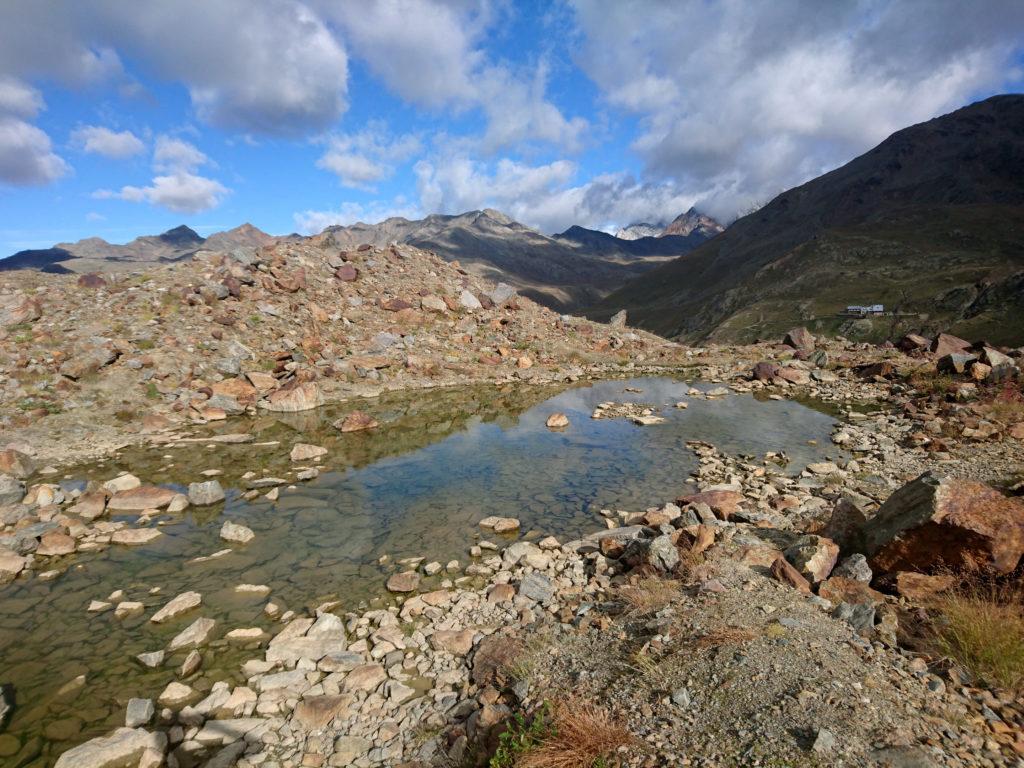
(684, 224)
(930, 223)
(565, 271)
(94, 254)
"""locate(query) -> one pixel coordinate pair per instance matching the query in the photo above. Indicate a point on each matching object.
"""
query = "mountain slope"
(564, 272)
(640, 229)
(96, 254)
(931, 213)
(693, 221)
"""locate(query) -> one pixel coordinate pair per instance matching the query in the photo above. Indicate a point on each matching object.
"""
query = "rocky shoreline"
(748, 580)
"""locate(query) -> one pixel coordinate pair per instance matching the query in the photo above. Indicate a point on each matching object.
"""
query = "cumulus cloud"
(742, 99)
(116, 145)
(26, 152)
(26, 155)
(431, 54)
(182, 193)
(360, 159)
(177, 185)
(270, 68)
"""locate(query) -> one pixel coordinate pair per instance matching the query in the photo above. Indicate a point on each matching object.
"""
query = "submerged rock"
(124, 748)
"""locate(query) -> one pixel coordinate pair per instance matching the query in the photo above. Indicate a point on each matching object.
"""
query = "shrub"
(581, 735)
(981, 625)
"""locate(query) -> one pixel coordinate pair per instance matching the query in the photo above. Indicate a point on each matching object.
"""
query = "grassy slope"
(928, 260)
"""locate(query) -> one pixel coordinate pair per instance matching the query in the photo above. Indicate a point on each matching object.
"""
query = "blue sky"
(119, 119)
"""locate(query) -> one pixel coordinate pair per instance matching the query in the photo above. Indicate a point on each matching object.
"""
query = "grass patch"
(931, 382)
(649, 595)
(981, 626)
(568, 734)
(145, 344)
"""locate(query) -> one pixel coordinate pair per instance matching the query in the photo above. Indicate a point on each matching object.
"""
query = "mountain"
(693, 221)
(929, 223)
(564, 272)
(96, 254)
(640, 229)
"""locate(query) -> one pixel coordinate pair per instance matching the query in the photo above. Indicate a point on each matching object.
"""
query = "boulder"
(205, 493)
(787, 574)
(800, 339)
(16, 464)
(912, 343)
(658, 553)
(935, 523)
(407, 581)
(302, 396)
(124, 748)
(854, 567)
(618, 320)
(195, 634)
(557, 421)
(955, 362)
(305, 452)
(356, 422)
(86, 361)
(186, 601)
(813, 556)
(16, 309)
(12, 490)
(765, 371)
(723, 503)
(947, 344)
(468, 301)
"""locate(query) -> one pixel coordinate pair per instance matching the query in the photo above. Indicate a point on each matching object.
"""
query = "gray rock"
(537, 586)
(12, 490)
(681, 698)
(860, 617)
(824, 742)
(854, 567)
(205, 493)
(139, 712)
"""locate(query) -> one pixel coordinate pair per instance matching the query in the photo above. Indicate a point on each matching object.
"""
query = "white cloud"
(26, 155)
(19, 99)
(270, 68)
(431, 54)
(117, 145)
(177, 186)
(313, 222)
(360, 159)
(181, 192)
(172, 154)
(738, 100)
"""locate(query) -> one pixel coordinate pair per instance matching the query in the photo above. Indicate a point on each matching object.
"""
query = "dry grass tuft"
(582, 735)
(724, 636)
(981, 625)
(649, 595)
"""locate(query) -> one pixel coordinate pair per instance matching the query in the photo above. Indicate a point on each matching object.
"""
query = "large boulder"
(293, 398)
(800, 339)
(17, 308)
(947, 344)
(935, 523)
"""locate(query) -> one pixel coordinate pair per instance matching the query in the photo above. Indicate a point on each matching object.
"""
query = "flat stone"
(236, 533)
(356, 422)
(124, 748)
(186, 601)
(537, 586)
(143, 497)
(227, 731)
(455, 643)
(55, 544)
(316, 712)
(305, 452)
(197, 633)
(364, 678)
(135, 536)
(407, 581)
(176, 695)
(294, 398)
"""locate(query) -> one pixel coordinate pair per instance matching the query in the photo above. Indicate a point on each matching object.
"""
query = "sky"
(120, 118)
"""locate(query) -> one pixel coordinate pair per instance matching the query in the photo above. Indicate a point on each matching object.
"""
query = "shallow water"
(418, 485)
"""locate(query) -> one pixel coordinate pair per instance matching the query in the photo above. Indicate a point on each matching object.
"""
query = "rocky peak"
(182, 235)
(693, 221)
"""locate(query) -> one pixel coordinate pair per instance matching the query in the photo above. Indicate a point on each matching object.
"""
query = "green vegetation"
(981, 625)
(522, 735)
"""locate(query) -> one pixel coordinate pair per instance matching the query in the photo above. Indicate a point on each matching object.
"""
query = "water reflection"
(440, 462)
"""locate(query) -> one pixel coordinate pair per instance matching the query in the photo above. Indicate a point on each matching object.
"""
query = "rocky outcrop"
(935, 523)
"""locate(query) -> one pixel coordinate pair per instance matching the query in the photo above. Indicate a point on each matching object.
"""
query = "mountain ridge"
(936, 207)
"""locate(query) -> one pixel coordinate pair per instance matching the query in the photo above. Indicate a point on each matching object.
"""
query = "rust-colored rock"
(917, 586)
(91, 280)
(16, 464)
(495, 655)
(787, 574)
(814, 556)
(143, 497)
(800, 338)
(296, 397)
(839, 589)
(765, 371)
(356, 422)
(947, 344)
(346, 273)
(935, 523)
(723, 503)
(240, 389)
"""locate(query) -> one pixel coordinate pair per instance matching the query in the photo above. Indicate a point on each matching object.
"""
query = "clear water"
(417, 486)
